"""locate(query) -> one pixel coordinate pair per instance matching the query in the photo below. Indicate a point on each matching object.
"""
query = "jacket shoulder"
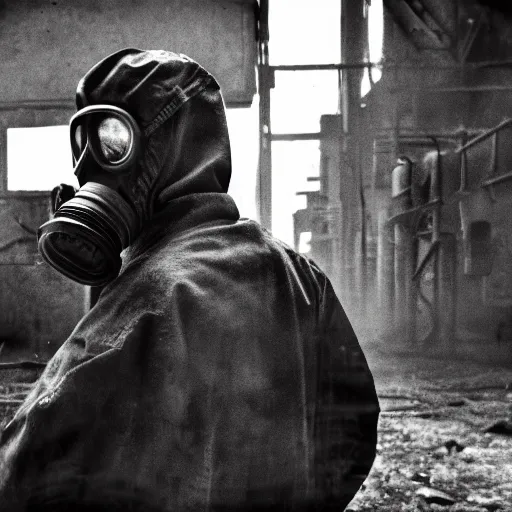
(306, 271)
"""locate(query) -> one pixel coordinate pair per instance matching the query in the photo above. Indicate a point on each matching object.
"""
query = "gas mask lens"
(109, 133)
(115, 139)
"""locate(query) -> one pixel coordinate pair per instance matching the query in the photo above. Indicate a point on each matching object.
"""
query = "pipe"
(454, 88)
(404, 252)
(385, 267)
(436, 239)
(405, 215)
(295, 136)
(463, 167)
(498, 179)
(389, 65)
(452, 316)
(485, 135)
(455, 135)
(265, 155)
(325, 67)
(430, 253)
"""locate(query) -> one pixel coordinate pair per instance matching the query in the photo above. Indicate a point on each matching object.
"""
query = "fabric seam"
(180, 97)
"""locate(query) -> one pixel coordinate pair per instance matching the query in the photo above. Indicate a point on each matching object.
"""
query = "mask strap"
(179, 98)
(78, 165)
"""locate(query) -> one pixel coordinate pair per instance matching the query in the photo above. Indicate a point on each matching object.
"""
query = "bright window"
(375, 15)
(375, 19)
(39, 158)
(304, 242)
(300, 98)
(243, 133)
(292, 164)
(304, 31)
(301, 32)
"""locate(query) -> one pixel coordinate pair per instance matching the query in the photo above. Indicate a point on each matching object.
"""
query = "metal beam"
(59, 104)
(322, 67)
(485, 135)
(264, 196)
(498, 179)
(415, 24)
(295, 136)
(388, 65)
(453, 88)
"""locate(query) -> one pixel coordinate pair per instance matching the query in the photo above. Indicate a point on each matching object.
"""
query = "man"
(217, 371)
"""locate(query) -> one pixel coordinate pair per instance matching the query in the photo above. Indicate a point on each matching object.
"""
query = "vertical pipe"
(347, 236)
(436, 237)
(450, 253)
(404, 251)
(364, 252)
(344, 75)
(352, 50)
(385, 268)
(264, 195)
(383, 156)
(412, 299)
(463, 164)
(403, 280)
(457, 32)
(494, 156)
(396, 307)
(3, 157)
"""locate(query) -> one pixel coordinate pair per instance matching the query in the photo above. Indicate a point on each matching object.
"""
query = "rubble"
(453, 445)
(456, 403)
(431, 495)
(423, 478)
(502, 427)
(489, 504)
(440, 452)
(440, 447)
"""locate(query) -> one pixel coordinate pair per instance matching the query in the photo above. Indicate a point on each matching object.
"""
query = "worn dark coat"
(218, 370)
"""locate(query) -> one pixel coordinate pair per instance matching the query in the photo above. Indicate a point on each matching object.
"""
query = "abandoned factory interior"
(374, 137)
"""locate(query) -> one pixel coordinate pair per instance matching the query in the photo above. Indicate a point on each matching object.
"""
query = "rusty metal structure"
(417, 248)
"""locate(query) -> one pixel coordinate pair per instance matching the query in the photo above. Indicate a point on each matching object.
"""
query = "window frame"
(28, 114)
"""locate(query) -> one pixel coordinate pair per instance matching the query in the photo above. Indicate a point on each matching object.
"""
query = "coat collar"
(179, 215)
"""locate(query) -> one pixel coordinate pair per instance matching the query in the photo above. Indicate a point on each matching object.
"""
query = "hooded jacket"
(219, 370)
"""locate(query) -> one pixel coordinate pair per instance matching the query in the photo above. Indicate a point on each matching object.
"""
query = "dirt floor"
(434, 452)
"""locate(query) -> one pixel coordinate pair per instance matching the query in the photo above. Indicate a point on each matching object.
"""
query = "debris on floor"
(448, 452)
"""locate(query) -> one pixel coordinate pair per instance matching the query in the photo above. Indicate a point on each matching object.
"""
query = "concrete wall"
(46, 46)
(38, 307)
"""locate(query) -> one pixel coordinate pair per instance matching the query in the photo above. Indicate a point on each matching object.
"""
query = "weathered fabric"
(217, 372)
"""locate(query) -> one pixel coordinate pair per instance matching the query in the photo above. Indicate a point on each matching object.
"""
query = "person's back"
(216, 371)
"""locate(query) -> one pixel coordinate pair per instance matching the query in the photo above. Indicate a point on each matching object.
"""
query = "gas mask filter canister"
(84, 239)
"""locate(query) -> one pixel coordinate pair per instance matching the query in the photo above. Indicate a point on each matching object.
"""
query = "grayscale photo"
(255, 255)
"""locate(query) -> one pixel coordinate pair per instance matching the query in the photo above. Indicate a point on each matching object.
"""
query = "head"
(150, 127)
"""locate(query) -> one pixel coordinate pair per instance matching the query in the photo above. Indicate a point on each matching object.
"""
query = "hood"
(180, 110)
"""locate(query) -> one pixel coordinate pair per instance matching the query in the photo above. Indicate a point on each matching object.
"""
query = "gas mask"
(85, 237)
